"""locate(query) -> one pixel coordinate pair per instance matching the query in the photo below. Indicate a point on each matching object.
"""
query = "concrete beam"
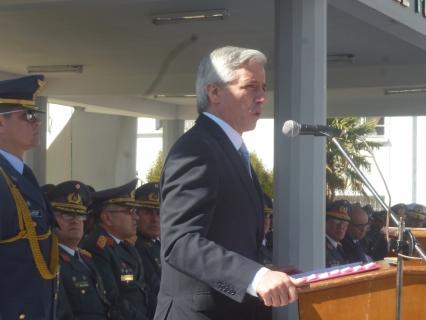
(389, 16)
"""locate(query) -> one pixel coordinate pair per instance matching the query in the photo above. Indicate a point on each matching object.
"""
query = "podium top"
(385, 271)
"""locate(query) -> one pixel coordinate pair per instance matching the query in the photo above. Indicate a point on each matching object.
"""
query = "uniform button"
(22, 316)
(83, 291)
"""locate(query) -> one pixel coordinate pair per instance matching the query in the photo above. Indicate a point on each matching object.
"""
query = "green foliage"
(339, 173)
(154, 173)
(265, 176)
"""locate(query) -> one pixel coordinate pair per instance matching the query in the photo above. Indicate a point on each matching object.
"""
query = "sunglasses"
(30, 115)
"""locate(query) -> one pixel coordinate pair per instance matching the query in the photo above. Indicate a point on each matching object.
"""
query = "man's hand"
(277, 289)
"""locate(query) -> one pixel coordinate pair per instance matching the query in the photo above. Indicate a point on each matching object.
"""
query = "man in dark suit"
(357, 230)
(211, 202)
(28, 251)
(117, 260)
(81, 291)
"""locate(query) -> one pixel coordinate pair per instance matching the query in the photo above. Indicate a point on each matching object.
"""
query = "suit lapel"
(233, 155)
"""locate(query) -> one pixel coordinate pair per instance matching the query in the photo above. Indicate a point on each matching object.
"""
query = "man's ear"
(213, 92)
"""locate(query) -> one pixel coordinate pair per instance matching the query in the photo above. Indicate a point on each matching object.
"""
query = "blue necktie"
(244, 154)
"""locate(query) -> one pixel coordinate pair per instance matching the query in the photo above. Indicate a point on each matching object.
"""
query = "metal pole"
(399, 271)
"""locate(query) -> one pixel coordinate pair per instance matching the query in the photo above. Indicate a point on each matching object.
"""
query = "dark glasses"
(29, 115)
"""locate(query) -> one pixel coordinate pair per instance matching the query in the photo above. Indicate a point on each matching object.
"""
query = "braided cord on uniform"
(27, 230)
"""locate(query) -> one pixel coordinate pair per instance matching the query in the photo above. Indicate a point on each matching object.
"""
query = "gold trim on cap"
(339, 215)
(23, 102)
(69, 207)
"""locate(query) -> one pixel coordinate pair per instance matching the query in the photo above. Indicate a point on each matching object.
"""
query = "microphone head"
(291, 128)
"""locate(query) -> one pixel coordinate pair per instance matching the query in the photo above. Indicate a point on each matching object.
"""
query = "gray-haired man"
(211, 202)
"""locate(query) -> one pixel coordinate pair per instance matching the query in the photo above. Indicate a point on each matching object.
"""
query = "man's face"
(336, 229)
(17, 134)
(239, 102)
(120, 221)
(149, 222)
(70, 230)
(359, 224)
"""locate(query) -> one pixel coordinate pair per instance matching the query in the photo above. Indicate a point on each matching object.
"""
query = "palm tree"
(339, 173)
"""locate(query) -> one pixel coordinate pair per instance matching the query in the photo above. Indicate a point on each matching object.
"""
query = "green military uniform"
(81, 292)
(118, 261)
(147, 197)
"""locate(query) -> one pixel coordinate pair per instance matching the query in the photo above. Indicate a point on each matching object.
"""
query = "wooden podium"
(369, 295)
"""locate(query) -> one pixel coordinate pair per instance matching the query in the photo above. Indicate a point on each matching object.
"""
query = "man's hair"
(218, 68)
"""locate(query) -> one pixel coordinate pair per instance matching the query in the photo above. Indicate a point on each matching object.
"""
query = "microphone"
(292, 129)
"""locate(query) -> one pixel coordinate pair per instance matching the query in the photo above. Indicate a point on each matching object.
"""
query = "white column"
(36, 157)
(299, 166)
(172, 130)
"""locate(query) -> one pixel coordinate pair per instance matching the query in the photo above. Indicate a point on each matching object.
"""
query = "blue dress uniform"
(28, 250)
(81, 291)
(119, 264)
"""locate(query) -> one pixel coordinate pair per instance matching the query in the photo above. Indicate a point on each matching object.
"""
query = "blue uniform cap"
(20, 92)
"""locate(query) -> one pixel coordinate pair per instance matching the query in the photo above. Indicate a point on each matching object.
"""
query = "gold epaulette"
(85, 253)
(132, 240)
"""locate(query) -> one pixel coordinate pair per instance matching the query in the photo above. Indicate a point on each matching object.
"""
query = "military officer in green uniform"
(81, 292)
(117, 260)
(28, 249)
(148, 237)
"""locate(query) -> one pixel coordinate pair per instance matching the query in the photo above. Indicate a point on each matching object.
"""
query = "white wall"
(97, 149)
(396, 160)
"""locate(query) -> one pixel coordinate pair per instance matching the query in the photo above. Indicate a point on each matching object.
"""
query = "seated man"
(148, 238)
(337, 221)
(357, 230)
(81, 291)
(117, 260)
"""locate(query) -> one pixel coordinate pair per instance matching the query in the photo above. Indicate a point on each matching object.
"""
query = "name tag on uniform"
(82, 284)
(126, 277)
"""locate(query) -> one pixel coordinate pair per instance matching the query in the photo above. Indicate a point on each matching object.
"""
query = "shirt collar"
(14, 161)
(117, 241)
(333, 242)
(68, 250)
(230, 132)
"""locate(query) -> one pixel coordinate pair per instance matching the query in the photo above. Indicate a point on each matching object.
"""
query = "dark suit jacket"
(122, 274)
(354, 251)
(22, 289)
(211, 229)
(81, 293)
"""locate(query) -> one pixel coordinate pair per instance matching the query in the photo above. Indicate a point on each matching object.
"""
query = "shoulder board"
(101, 242)
(85, 253)
(132, 240)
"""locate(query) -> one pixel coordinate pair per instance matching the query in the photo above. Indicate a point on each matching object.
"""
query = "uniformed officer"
(117, 260)
(28, 250)
(81, 291)
(416, 215)
(337, 222)
(148, 237)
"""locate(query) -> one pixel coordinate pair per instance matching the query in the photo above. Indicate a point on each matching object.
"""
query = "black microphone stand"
(400, 224)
